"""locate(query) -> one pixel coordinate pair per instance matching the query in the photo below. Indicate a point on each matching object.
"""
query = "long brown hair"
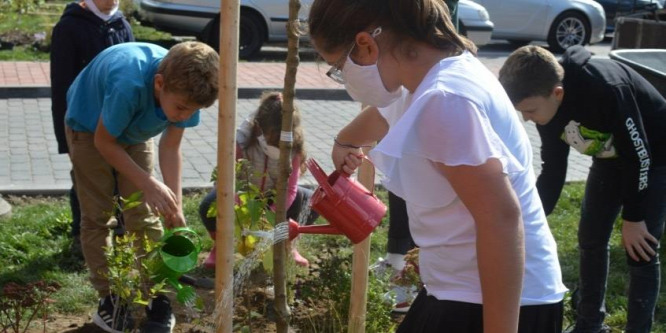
(333, 24)
(269, 120)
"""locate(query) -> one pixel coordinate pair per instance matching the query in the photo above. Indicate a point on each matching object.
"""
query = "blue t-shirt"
(118, 87)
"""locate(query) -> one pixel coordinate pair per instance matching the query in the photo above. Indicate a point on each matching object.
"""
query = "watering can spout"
(295, 229)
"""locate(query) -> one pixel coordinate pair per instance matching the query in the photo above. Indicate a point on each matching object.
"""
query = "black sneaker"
(159, 317)
(115, 322)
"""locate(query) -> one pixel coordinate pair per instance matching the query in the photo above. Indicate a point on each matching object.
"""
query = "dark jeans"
(303, 195)
(600, 208)
(399, 238)
(430, 315)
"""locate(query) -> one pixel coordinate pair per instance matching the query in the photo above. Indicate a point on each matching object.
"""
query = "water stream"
(267, 238)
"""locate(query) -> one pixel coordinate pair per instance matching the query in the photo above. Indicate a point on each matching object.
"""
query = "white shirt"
(460, 115)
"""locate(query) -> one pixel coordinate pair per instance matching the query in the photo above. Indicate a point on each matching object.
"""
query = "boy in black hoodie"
(604, 109)
(83, 31)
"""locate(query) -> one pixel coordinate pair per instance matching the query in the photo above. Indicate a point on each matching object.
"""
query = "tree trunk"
(280, 255)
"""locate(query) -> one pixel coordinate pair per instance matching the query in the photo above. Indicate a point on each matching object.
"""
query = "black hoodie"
(77, 38)
(608, 111)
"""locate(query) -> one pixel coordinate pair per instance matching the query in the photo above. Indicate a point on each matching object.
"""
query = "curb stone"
(7, 92)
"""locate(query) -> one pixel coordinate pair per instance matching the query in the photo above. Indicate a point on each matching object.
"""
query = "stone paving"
(29, 162)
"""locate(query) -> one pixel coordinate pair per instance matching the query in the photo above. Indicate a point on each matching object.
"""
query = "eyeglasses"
(335, 72)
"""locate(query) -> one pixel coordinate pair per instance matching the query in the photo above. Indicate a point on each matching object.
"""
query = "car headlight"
(483, 15)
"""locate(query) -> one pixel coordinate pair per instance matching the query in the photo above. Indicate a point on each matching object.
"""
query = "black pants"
(399, 238)
(295, 210)
(430, 315)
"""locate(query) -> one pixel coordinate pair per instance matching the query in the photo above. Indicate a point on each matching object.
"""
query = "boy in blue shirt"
(128, 94)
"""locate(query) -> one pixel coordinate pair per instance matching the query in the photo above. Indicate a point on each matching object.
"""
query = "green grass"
(40, 19)
(34, 245)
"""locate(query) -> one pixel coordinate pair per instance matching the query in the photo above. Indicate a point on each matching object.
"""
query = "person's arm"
(554, 157)
(129, 36)
(63, 64)
(171, 164)
(634, 153)
(368, 127)
(156, 195)
(487, 193)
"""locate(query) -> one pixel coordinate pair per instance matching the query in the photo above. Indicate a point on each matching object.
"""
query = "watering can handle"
(365, 157)
(169, 232)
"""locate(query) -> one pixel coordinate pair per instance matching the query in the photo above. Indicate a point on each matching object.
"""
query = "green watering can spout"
(177, 255)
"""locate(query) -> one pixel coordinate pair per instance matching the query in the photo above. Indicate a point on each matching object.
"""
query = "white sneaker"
(381, 268)
(401, 297)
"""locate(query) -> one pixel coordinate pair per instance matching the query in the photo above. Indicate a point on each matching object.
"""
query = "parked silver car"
(265, 20)
(474, 22)
(562, 23)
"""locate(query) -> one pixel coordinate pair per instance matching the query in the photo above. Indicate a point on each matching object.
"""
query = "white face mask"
(365, 85)
(271, 151)
(93, 8)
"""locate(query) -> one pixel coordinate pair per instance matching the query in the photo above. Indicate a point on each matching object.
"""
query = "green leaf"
(212, 210)
(136, 196)
(267, 260)
(131, 205)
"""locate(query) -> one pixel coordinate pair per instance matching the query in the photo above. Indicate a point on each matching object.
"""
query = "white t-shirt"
(460, 115)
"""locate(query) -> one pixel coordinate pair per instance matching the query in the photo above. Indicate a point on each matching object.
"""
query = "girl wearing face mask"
(453, 147)
(257, 140)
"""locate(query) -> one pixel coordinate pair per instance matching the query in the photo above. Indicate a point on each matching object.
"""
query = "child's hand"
(160, 199)
(175, 221)
(346, 159)
(636, 240)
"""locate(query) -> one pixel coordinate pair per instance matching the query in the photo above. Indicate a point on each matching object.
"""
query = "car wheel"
(251, 36)
(211, 34)
(251, 33)
(569, 29)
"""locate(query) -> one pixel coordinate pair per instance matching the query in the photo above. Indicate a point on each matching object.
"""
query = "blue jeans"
(600, 208)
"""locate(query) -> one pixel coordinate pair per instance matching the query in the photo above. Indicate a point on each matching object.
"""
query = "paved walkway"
(29, 162)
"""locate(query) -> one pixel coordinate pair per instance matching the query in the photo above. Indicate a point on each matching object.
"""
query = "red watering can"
(349, 207)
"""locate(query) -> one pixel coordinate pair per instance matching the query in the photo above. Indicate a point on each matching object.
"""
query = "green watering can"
(176, 256)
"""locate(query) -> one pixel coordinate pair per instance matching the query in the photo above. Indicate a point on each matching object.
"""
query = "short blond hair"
(530, 71)
(191, 69)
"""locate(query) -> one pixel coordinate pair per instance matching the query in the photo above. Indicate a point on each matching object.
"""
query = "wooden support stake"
(360, 263)
(226, 157)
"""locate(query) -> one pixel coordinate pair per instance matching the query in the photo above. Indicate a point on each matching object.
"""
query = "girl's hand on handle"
(160, 199)
(636, 240)
(346, 159)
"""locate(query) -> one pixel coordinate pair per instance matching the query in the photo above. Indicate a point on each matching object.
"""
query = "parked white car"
(561, 23)
(265, 20)
(474, 22)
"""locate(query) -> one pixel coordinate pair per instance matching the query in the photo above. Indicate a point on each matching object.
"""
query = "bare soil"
(255, 302)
